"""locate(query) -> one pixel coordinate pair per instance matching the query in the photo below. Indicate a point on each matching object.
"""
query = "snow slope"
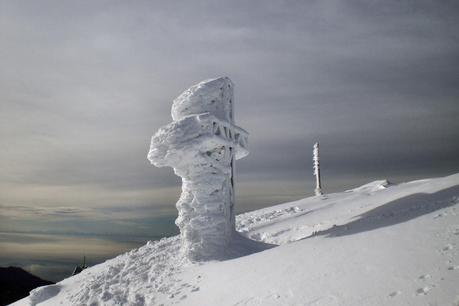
(379, 244)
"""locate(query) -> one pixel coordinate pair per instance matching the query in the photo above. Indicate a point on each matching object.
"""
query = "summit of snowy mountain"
(381, 244)
(372, 186)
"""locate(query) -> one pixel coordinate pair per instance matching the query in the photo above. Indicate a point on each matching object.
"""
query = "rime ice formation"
(201, 145)
(316, 166)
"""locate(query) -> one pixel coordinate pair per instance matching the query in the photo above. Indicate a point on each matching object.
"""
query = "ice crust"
(200, 144)
(213, 96)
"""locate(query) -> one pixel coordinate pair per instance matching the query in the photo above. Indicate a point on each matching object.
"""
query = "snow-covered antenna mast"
(315, 159)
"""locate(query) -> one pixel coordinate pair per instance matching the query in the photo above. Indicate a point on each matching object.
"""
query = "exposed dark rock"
(15, 284)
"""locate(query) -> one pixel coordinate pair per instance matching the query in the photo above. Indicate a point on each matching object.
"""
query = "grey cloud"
(20, 211)
(84, 85)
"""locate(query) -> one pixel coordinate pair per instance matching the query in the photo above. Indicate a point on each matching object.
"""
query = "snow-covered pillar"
(316, 165)
(201, 145)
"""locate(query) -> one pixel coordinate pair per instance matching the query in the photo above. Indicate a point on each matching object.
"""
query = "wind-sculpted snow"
(201, 144)
(395, 246)
(373, 186)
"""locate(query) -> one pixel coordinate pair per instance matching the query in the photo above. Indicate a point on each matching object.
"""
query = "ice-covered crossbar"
(201, 145)
(220, 133)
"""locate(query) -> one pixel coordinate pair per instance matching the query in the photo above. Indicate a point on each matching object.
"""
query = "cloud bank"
(84, 84)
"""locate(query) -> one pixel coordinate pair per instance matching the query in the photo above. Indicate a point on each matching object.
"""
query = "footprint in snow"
(425, 276)
(443, 214)
(423, 291)
(451, 268)
(395, 293)
(448, 247)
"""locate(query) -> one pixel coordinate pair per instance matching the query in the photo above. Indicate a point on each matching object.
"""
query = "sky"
(85, 84)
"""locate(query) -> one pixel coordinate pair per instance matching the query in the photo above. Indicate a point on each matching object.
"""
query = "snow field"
(379, 245)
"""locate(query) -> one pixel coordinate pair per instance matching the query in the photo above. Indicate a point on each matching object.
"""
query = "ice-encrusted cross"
(201, 145)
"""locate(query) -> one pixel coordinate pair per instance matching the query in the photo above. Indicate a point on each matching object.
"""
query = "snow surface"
(201, 144)
(384, 244)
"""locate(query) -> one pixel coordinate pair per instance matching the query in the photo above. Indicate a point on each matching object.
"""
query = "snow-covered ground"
(379, 244)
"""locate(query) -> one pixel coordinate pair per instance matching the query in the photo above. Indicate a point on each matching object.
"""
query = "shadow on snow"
(395, 212)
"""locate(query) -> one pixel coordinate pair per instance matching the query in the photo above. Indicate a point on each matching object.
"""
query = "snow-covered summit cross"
(201, 145)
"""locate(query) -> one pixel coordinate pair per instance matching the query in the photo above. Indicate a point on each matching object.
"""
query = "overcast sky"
(84, 85)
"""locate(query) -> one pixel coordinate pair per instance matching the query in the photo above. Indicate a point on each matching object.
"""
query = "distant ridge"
(15, 283)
